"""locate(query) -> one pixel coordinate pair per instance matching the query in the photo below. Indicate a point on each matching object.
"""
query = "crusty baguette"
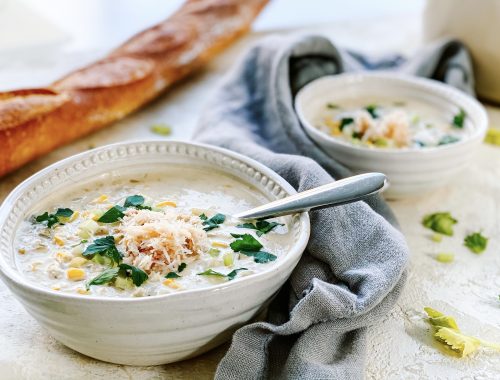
(36, 121)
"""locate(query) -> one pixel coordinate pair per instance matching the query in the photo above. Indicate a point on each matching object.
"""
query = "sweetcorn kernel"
(102, 198)
(171, 283)
(59, 241)
(166, 203)
(82, 291)
(56, 287)
(21, 251)
(75, 215)
(77, 262)
(75, 274)
(219, 244)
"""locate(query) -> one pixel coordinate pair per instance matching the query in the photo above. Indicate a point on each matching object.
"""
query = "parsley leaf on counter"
(57, 217)
(230, 276)
(458, 119)
(445, 258)
(441, 222)
(112, 215)
(213, 222)
(262, 226)
(476, 242)
(104, 247)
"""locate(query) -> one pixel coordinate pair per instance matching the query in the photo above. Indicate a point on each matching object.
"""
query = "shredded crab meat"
(158, 241)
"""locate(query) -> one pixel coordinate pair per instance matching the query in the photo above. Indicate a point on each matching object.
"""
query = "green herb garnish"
(180, 268)
(476, 242)
(345, 121)
(213, 222)
(448, 140)
(57, 217)
(112, 215)
(262, 226)
(357, 135)
(136, 201)
(260, 257)
(172, 275)
(245, 242)
(161, 129)
(372, 110)
(249, 246)
(459, 119)
(137, 275)
(441, 222)
(105, 247)
(230, 276)
(105, 277)
(332, 106)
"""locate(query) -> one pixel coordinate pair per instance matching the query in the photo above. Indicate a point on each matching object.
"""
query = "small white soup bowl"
(149, 330)
(411, 171)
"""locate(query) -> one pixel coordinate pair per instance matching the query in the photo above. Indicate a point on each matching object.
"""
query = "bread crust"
(35, 121)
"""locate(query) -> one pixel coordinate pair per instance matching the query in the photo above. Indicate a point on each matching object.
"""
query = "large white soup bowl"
(150, 330)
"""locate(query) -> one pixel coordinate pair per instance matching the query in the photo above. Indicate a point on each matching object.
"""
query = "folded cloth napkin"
(354, 267)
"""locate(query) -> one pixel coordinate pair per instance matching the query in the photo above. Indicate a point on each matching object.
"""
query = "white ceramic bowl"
(410, 171)
(150, 330)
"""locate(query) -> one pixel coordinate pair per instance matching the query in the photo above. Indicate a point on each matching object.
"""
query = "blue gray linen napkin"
(354, 267)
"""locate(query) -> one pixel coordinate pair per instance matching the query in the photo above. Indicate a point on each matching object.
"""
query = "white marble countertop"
(400, 346)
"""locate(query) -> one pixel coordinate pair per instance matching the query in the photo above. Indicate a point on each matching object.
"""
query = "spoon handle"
(346, 190)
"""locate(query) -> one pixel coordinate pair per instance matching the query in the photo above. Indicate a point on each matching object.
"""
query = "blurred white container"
(477, 24)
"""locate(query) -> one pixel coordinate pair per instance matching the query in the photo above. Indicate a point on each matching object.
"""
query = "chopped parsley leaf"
(105, 277)
(447, 139)
(345, 121)
(372, 110)
(459, 119)
(213, 222)
(441, 222)
(230, 276)
(112, 215)
(476, 242)
(172, 275)
(245, 242)
(105, 247)
(261, 226)
(138, 276)
(357, 135)
(55, 218)
(332, 106)
(181, 267)
(249, 246)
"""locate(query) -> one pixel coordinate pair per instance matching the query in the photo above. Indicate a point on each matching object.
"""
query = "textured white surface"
(399, 347)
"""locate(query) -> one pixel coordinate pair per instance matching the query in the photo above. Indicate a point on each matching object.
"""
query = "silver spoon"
(346, 190)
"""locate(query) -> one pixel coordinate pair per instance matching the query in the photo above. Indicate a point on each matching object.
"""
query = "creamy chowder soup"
(149, 234)
(391, 124)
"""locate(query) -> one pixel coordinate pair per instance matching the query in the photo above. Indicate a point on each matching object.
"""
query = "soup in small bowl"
(129, 253)
(419, 132)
